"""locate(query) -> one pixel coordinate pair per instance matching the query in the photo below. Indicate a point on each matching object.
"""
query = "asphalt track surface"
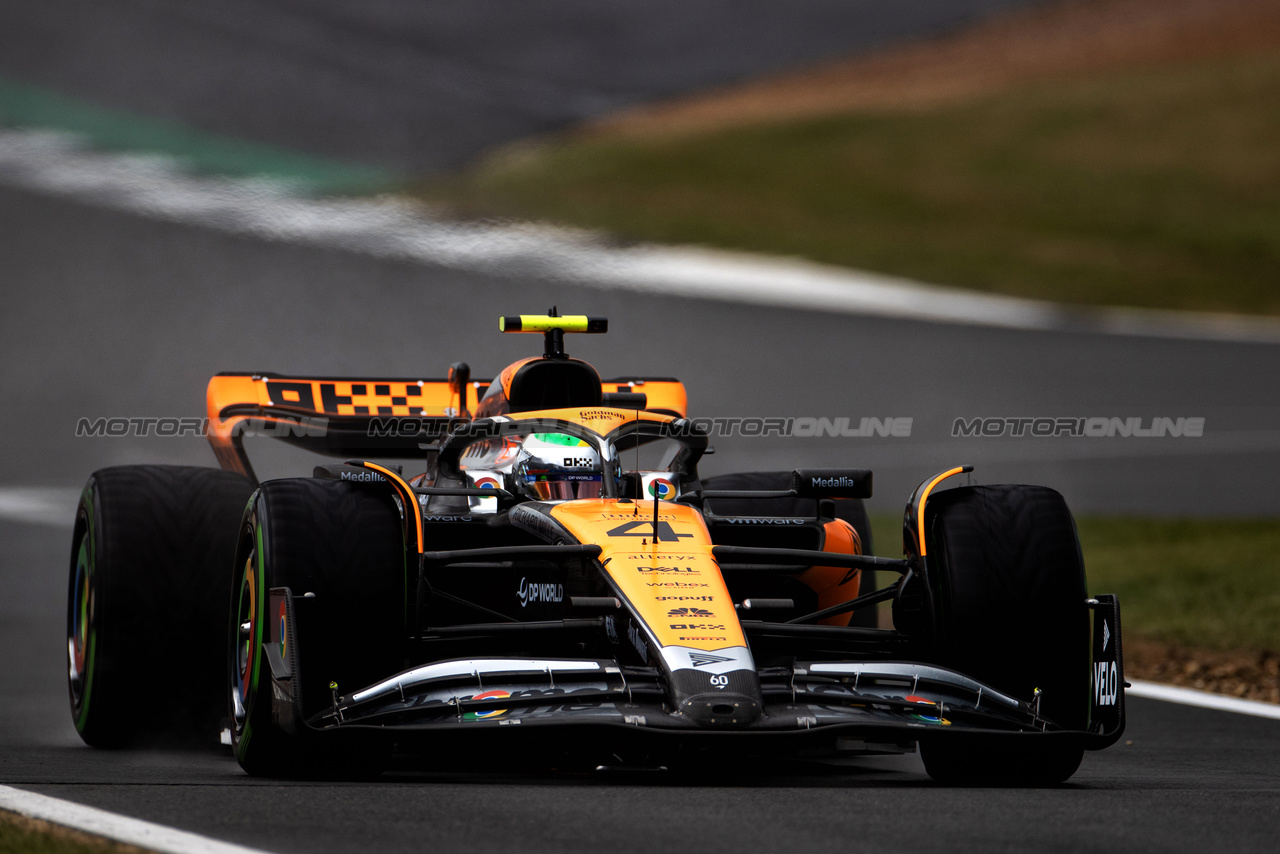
(1183, 779)
(104, 314)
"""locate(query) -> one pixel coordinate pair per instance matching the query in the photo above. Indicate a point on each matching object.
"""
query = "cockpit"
(555, 456)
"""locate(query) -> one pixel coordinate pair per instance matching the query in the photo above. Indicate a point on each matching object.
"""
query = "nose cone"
(721, 709)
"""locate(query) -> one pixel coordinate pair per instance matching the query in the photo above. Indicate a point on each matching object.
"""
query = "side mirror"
(626, 400)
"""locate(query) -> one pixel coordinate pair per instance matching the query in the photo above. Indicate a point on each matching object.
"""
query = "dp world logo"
(688, 612)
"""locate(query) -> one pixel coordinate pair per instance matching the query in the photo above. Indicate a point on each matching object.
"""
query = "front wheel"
(339, 549)
(1007, 578)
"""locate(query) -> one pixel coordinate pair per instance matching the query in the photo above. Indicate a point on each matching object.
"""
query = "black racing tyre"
(852, 510)
(339, 547)
(146, 603)
(1008, 583)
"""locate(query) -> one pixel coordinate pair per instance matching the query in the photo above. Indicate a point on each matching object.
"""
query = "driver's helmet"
(556, 466)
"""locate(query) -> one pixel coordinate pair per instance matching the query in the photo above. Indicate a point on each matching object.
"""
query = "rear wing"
(398, 417)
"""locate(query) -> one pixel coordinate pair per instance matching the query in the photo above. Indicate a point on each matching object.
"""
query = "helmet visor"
(562, 485)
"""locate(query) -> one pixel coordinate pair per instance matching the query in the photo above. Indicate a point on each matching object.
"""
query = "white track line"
(36, 505)
(1202, 699)
(157, 187)
(132, 831)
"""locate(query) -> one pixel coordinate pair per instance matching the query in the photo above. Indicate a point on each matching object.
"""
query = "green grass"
(1210, 584)
(1193, 583)
(19, 836)
(1156, 188)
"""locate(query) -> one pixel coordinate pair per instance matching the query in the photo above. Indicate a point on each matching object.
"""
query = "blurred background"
(972, 209)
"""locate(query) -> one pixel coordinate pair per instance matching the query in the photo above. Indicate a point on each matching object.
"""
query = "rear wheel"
(339, 548)
(1008, 584)
(146, 602)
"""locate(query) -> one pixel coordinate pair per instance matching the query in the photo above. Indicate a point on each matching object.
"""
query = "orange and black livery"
(534, 564)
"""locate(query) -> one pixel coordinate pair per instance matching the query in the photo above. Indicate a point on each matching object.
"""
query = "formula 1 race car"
(558, 581)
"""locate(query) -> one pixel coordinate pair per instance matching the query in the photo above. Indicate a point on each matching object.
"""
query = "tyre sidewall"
(302, 534)
(87, 584)
(255, 740)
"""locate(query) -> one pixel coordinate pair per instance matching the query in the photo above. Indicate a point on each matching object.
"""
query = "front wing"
(860, 706)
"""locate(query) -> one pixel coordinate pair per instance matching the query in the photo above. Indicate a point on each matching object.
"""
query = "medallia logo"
(361, 476)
